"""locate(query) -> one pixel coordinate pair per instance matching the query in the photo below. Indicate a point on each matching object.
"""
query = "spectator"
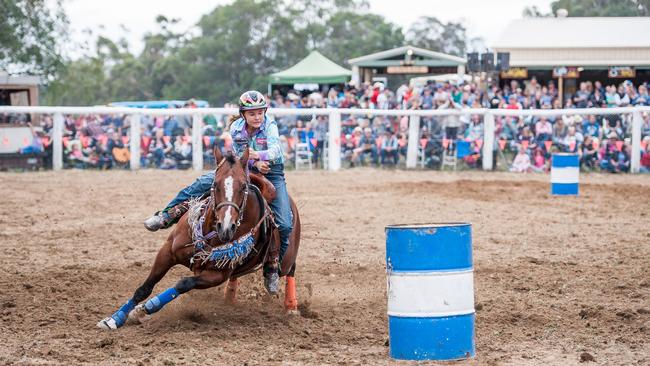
(543, 129)
(367, 146)
(521, 164)
(389, 148)
(645, 157)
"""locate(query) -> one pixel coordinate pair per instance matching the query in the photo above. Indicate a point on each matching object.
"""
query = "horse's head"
(229, 192)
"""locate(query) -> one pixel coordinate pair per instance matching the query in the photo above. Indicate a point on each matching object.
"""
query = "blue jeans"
(280, 206)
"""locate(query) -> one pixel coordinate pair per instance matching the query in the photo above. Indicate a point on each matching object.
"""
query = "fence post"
(334, 152)
(413, 142)
(637, 121)
(57, 142)
(488, 141)
(135, 141)
(197, 142)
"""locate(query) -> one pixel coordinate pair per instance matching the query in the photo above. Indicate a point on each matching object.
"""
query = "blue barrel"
(430, 291)
(565, 174)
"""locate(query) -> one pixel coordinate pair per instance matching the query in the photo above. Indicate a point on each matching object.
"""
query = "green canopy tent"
(313, 69)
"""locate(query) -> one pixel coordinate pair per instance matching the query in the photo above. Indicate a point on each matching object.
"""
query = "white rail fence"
(334, 114)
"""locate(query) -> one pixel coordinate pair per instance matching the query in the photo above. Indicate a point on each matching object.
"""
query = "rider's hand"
(253, 155)
(262, 166)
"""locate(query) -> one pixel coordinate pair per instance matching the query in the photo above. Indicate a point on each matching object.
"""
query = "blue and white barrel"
(565, 174)
(430, 291)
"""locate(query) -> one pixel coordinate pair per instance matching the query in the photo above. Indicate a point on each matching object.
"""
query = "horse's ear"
(216, 151)
(244, 157)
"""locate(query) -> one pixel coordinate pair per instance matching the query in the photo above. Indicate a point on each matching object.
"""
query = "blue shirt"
(265, 140)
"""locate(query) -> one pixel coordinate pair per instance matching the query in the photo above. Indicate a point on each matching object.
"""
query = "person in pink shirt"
(539, 162)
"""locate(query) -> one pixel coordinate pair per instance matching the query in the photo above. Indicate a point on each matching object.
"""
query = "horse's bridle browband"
(239, 208)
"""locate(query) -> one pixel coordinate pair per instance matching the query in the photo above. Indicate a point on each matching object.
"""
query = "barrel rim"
(435, 225)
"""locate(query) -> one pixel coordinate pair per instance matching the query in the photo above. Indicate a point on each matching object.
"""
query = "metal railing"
(334, 114)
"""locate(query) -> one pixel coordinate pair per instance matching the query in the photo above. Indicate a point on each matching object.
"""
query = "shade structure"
(313, 69)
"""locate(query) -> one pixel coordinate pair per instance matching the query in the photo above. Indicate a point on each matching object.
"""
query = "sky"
(131, 19)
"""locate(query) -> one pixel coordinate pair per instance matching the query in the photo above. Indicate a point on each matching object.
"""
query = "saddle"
(265, 186)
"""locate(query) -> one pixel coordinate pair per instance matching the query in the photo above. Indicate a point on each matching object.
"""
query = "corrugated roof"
(402, 50)
(576, 32)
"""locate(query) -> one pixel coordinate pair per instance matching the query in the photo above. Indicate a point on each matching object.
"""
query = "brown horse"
(228, 236)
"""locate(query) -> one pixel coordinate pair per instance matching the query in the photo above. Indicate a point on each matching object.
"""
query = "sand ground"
(557, 279)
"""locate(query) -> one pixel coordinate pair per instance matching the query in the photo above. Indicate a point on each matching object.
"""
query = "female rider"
(265, 156)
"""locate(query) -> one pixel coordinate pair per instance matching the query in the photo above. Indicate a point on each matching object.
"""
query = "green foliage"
(595, 8)
(30, 35)
(237, 47)
(431, 33)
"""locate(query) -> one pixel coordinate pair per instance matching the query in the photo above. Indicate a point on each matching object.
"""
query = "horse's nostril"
(232, 228)
(218, 226)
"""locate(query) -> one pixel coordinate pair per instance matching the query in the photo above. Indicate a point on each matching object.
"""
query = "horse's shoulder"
(180, 237)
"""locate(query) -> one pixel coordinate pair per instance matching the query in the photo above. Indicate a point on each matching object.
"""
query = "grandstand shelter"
(607, 49)
(406, 61)
(18, 90)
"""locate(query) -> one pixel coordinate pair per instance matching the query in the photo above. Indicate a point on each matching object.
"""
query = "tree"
(349, 35)
(595, 8)
(30, 36)
(430, 33)
(238, 46)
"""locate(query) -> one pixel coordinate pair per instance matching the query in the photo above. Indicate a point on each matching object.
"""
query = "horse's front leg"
(163, 262)
(205, 279)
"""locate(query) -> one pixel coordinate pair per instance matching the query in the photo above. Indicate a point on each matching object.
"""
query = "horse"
(240, 236)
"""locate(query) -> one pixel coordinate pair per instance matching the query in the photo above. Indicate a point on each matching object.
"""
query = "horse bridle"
(239, 208)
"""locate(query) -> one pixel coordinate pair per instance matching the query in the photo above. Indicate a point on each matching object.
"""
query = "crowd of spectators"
(525, 143)
(522, 144)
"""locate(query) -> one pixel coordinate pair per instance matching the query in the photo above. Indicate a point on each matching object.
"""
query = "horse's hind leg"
(290, 299)
(163, 262)
(204, 280)
(231, 291)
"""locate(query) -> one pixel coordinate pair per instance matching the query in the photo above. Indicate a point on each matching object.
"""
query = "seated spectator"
(36, 144)
(75, 156)
(367, 146)
(539, 161)
(645, 127)
(543, 129)
(609, 155)
(645, 157)
(389, 148)
(589, 153)
(572, 141)
(591, 127)
(475, 130)
(521, 164)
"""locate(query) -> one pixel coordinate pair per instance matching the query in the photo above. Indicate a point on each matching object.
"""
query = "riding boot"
(166, 218)
(272, 265)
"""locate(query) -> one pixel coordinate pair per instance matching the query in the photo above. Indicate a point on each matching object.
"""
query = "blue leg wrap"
(157, 302)
(121, 314)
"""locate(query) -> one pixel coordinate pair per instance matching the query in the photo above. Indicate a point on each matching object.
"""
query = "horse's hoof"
(292, 312)
(139, 315)
(272, 283)
(107, 323)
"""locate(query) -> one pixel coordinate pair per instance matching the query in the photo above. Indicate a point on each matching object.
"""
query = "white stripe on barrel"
(565, 174)
(426, 294)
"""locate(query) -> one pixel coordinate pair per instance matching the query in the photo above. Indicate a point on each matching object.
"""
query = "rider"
(265, 156)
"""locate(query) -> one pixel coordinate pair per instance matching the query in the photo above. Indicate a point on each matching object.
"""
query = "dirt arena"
(558, 280)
